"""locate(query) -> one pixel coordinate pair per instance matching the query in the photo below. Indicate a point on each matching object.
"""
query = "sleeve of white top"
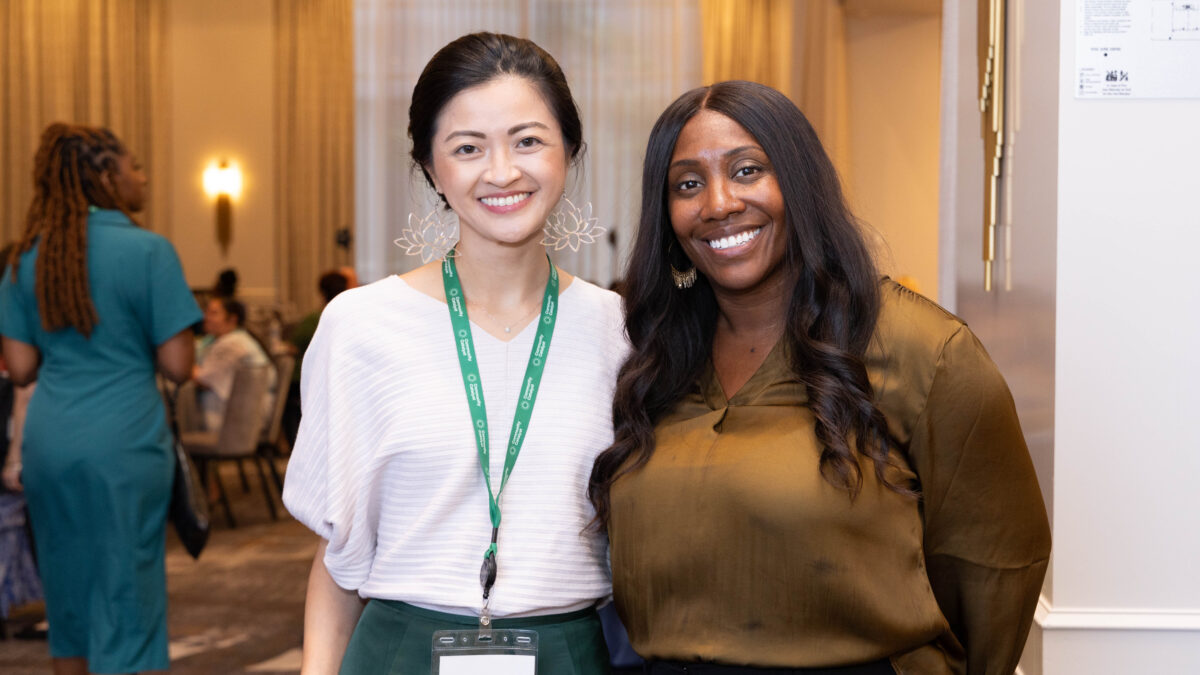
(329, 484)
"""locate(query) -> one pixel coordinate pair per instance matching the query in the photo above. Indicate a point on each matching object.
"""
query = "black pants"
(676, 668)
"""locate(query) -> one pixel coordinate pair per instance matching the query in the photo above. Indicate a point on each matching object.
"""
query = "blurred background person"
(351, 275)
(226, 285)
(20, 585)
(17, 405)
(329, 285)
(233, 347)
(92, 306)
(14, 402)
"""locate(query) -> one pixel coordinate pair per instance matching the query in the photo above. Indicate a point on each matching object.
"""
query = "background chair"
(238, 437)
(273, 444)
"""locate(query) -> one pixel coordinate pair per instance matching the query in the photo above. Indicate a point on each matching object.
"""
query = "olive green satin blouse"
(729, 546)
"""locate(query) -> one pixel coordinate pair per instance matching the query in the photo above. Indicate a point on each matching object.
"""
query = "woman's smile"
(506, 202)
(733, 244)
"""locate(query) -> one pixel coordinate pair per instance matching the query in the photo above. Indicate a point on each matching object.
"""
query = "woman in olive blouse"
(813, 470)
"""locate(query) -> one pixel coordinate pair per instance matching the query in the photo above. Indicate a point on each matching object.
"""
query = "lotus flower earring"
(430, 237)
(571, 227)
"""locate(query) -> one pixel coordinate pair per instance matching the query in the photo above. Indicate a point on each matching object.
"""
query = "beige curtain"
(795, 46)
(314, 105)
(748, 40)
(819, 83)
(92, 62)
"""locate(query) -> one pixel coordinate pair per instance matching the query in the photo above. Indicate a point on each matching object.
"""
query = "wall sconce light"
(223, 182)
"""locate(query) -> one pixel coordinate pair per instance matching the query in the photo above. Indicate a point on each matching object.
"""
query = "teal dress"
(98, 463)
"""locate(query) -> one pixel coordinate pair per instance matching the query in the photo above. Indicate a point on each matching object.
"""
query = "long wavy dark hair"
(831, 315)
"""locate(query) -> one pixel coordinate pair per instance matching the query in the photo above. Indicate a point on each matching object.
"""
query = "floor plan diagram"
(1175, 20)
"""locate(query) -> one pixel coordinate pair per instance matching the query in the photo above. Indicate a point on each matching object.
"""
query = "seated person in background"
(224, 287)
(226, 284)
(330, 285)
(351, 275)
(233, 347)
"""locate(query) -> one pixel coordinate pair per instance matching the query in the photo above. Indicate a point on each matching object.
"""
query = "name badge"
(485, 652)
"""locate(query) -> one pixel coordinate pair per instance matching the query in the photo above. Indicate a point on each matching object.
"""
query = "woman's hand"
(12, 476)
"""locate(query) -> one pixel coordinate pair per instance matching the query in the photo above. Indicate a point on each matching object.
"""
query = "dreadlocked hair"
(67, 178)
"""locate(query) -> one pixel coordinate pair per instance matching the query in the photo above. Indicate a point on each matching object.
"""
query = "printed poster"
(1137, 49)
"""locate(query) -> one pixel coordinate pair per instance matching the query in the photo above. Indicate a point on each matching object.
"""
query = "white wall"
(1128, 449)
(893, 74)
(1094, 324)
(221, 70)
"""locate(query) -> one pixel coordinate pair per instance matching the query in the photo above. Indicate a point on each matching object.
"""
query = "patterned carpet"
(239, 609)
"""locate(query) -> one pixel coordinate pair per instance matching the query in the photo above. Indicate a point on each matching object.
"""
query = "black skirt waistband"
(882, 667)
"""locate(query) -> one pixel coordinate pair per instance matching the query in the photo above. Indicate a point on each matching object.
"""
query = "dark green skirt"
(396, 638)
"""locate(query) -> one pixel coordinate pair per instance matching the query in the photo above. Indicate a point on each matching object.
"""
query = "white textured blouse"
(386, 469)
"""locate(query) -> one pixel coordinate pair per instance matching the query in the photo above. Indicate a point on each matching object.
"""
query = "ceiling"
(885, 7)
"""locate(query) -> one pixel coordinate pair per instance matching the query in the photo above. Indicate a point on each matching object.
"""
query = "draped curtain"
(625, 60)
(314, 140)
(819, 83)
(96, 62)
(798, 48)
(748, 40)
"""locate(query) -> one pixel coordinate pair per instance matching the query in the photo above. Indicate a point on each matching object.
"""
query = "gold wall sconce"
(993, 81)
(223, 183)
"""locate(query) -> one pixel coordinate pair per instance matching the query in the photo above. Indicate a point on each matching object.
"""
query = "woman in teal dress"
(92, 306)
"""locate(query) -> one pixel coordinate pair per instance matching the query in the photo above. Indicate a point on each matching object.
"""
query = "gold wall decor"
(992, 39)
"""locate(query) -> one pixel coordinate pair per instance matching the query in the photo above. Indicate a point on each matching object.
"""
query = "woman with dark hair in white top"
(415, 415)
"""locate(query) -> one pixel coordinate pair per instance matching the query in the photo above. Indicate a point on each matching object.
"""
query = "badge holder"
(494, 652)
(486, 650)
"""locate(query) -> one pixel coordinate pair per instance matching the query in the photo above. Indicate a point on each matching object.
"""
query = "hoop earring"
(430, 237)
(571, 227)
(683, 280)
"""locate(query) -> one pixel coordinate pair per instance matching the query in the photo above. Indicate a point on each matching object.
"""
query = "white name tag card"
(494, 652)
(487, 664)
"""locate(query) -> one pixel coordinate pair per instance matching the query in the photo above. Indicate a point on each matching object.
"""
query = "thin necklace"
(508, 328)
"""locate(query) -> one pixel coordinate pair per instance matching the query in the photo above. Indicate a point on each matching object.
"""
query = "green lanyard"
(471, 382)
